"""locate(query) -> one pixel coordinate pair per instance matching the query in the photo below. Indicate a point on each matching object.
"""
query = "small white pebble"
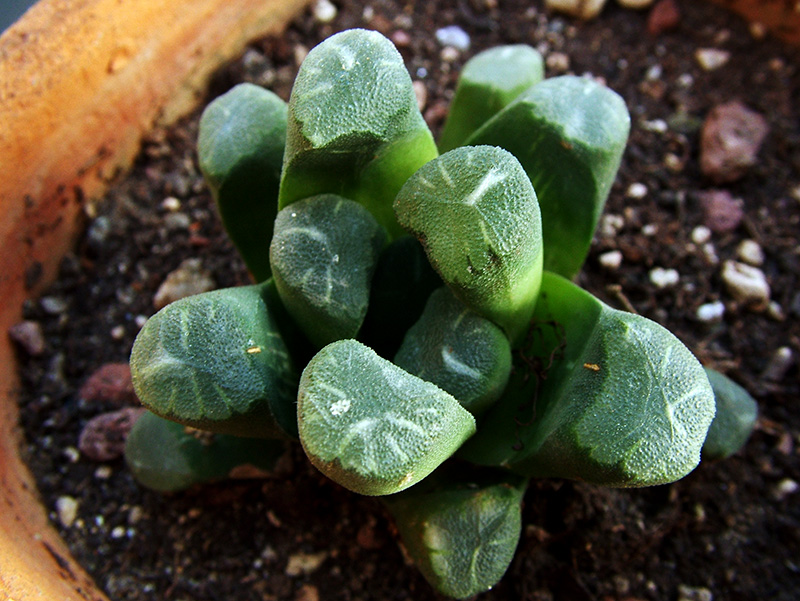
(421, 92)
(67, 509)
(747, 284)
(710, 312)
(135, 515)
(710, 253)
(453, 36)
(103, 472)
(651, 229)
(694, 593)
(664, 278)
(72, 454)
(368, 14)
(780, 363)
(685, 80)
(654, 73)
(99, 520)
(711, 58)
(118, 332)
(304, 563)
(636, 190)
(325, 11)
(300, 53)
(140, 321)
(775, 311)
(611, 260)
(673, 162)
(611, 224)
(449, 54)
(658, 126)
(701, 234)
(750, 252)
(118, 532)
(758, 30)
(786, 487)
(172, 204)
(796, 193)
(557, 62)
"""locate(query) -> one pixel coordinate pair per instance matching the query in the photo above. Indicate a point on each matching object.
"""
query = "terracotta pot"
(81, 81)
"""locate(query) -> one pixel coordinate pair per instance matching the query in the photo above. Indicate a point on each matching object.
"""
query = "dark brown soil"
(730, 530)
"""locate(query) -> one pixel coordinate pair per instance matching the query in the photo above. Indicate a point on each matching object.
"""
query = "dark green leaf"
(475, 212)
(324, 253)
(488, 82)
(569, 133)
(459, 351)
(216, 361)
(603, 396)
(354, 125)
(240, 150)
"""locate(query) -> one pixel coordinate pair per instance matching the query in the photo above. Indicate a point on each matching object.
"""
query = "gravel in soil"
(729, 531)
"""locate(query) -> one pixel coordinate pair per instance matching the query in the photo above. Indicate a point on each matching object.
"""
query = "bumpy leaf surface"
(461, 536)
(611, 398)
(488, 82)
(354, 125)
(459, 351)
(372, 427)
(240, 150)
(475, 212)
(324, 253)
(216, 361)
(569, 133)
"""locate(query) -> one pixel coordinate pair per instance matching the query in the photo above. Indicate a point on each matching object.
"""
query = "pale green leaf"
(371, 426)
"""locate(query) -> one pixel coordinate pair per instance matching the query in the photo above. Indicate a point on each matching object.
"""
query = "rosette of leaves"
(387, 354)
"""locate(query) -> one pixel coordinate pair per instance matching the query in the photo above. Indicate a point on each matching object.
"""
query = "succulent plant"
(442, 369)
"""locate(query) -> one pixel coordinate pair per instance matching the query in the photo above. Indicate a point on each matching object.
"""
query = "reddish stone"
(729, 143)
(111, 384)
(103, 437)
(29, 336)
(665, 15)
(722, 213)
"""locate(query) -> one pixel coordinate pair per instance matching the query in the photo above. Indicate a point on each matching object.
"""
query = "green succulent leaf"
(216, 361)
(459, 351)
(475, 212)
(372, 427)
(737, 413)
(396, 303)
(575, 134)
(603, 396)
(488, 82)
(354, 125)
(166, 456)
(240, 149)
(324, 253)
(462, 535)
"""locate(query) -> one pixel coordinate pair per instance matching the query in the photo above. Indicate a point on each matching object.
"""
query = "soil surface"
(728, 531)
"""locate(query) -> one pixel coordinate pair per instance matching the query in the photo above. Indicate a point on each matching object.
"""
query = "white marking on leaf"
(340, 407)
(457, 366)
(491, 179)
(347, 57)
